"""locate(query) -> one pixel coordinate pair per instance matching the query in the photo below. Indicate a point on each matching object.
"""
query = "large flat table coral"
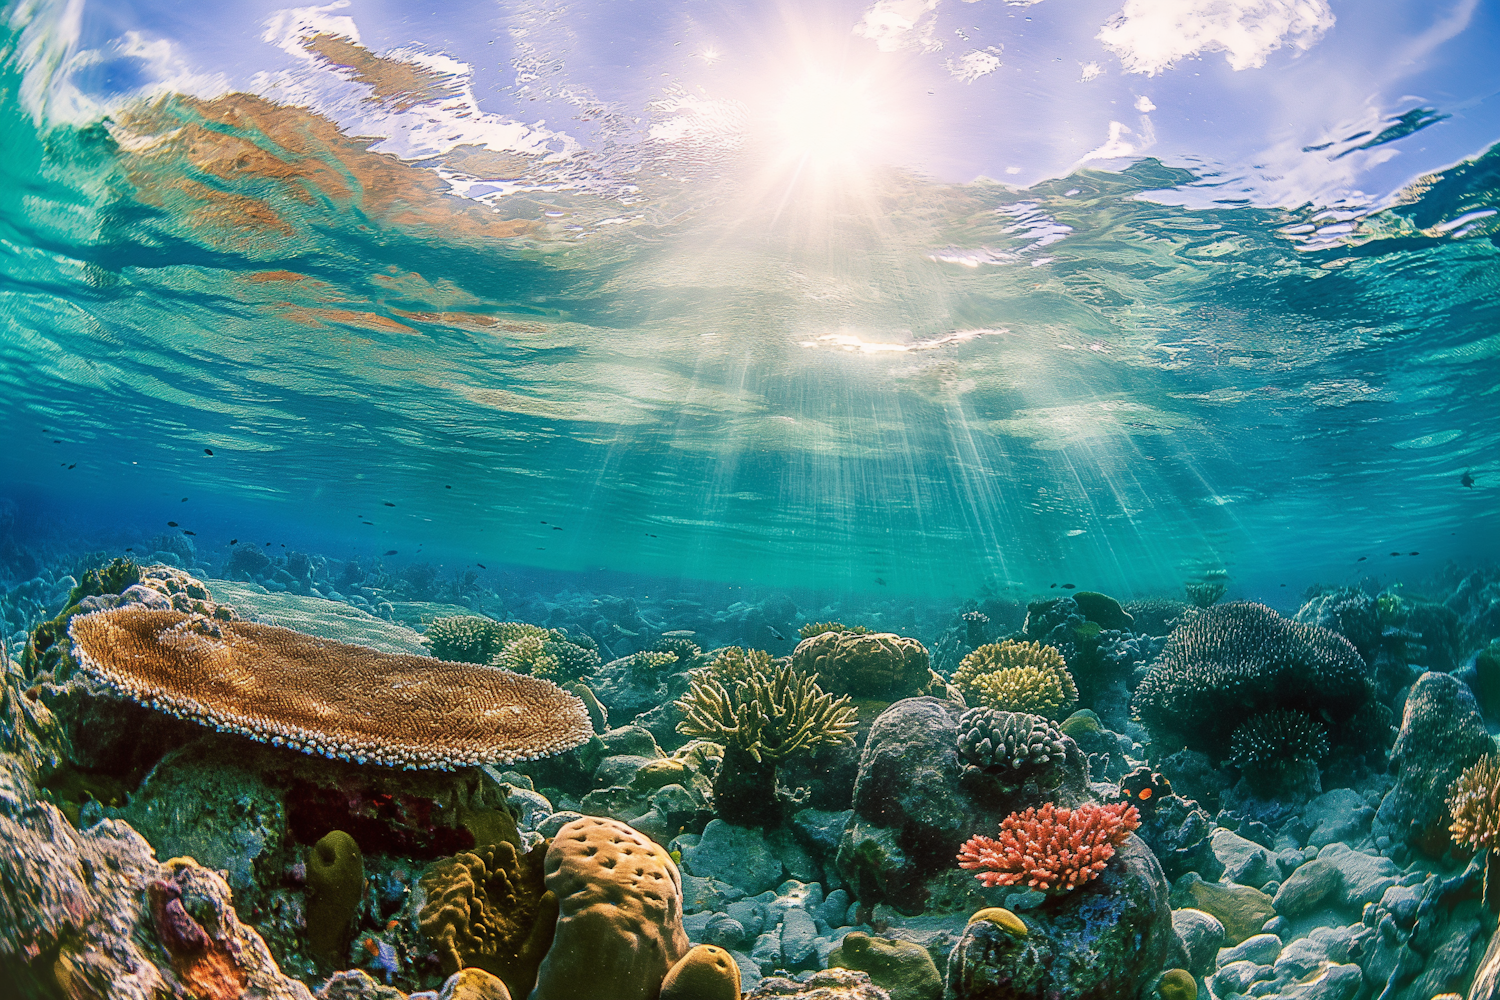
(323, 697)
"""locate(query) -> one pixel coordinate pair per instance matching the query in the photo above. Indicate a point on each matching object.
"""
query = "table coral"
(1054, 850)
(1018, 677)
(489, 909)
(321, 697)
(619, 926)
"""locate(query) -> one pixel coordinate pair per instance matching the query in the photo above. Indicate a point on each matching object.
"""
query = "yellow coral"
(1017, 677)
(771, 716)
(734, 665)
(1474, 801)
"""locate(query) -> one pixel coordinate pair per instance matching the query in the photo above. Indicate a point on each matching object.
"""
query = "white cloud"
(899, 24)
(975, 63)
(1143, 105)
(1089, 71)
(1150, 36)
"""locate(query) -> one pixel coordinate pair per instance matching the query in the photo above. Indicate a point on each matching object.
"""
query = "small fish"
(1395, 553)
(679, 633)
(389, 504)
(208, 451)
(1467, 480)
(556, 528)
(1070, 586)
(234, 541)
(184, 499)
(777, 634)
(447, 487)
(130, 549)
(880, 581)
(1053, 587)
(1145, 789)
(480, 565)
(391, 552)
(171, 524)
(73, 466)
(370, 523)
(1361, 558)
(187, 532)
(1414, 553)
(544, 522)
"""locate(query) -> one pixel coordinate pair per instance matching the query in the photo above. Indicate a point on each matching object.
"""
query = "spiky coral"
(546, 653)
(464, 638)
(1018, 677)
(770, 716)
(734, 664)
(1050, 849)
(1474, 803)
(1280, 736)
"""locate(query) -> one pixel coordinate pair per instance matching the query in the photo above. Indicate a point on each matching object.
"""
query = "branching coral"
(1474, 802)
(1018, 677)
(988, 738)
(1280, 736)
(1054, 850)
(1229, 662)
(818, 628)
(322, 697)
(465, 638)
(516, 646)
(684, 649)
(770, 715)
(733, 664)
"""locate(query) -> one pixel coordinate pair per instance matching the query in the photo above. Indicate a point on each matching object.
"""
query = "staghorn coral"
(649, 663)
(1232, 661)
(769, 716)
(321, 697)
(1018, 677)
(1474, 802)
(733, 665)
(989, 738)
(489, 909)
(545, 653)
(865, 664)
(1050, 849)
(619, 925)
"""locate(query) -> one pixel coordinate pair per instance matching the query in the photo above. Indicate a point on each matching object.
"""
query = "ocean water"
(750, 317)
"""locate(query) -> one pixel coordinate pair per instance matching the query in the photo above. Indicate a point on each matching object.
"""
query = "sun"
(828, 122)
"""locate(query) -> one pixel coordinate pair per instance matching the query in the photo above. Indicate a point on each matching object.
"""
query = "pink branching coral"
(1051, 849)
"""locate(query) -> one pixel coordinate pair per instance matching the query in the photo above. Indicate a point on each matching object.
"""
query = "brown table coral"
(322, 697)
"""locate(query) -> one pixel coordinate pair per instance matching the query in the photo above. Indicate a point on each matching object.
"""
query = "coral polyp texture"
(990, 738)
(1233, 661)
(864, 664)
(1474, 801)
(515, 646)
(1050, 849)
(770, 716)
(322, 697)
(1018, 677)
(1280, 736)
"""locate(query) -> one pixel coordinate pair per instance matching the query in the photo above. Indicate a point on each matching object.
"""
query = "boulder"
(737, 855)
(1363, 878)
(1244, 861)
(1242, 910)
(1202, 936)
(1307, 887)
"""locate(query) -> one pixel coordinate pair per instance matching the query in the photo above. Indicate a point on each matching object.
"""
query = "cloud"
(899, 24)
(1150, 36)
(975, 63)
(1089, 71)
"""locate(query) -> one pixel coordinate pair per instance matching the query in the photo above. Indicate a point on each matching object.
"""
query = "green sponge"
(335, 885)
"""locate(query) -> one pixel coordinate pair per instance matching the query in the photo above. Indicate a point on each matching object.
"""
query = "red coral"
(1051, 849)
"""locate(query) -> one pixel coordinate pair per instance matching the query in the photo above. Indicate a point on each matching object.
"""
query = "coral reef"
(864, 664)
(1232, 661)
(1474, 803)
(619, 925)
(349, 702)
(489, 909)
(1268, 746)
(989, 738)
(1050, 849)
(1018, 677)
(466, 638)
(1156, 616)
(704, 973)
(335, 886)
(902, 968)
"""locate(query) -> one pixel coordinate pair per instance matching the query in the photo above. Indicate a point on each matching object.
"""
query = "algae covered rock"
(1242, 910)
(619, 924)
(335, 885)
(903, 969)
(1109, 938)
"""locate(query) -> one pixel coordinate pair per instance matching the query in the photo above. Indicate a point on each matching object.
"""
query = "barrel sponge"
(489, 909)
(865, 665)
(335, 886)
(704, 973)
(904, 969)
(323, 697)
(619, 924)
(1232, 661)
(1018, 677)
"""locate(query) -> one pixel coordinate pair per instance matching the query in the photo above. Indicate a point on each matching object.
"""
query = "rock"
(902, 968)
(821, 829)
(1242, 910)
(834, 907)
(1486, 985)
(1307, 887)
(1202, 936)
(751, 913)
(830, 984)
(1262, 949)
(1244, 861)
(767, 951)
(1236, 977)
(1442, 732)
(1339, 814)
(1448, 966)
(722, 930)
(556, 821)
(1362, 877)
(473, 984)
(798, 933)
(1106, 939)
(737, 855)
(1337, 982)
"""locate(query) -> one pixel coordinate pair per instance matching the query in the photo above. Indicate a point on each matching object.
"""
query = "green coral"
(112, 578)
(546, 654)
(335, 886)
(646, 664)
(1017, 677)
(464, 638)
(734, 664)
(769, 716)
(685, 650)
(818, 628)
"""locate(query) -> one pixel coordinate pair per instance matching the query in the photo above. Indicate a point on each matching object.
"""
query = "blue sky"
(1260, 96)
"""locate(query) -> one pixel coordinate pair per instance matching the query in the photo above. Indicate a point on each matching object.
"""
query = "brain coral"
(1232, 661)
(1054, 850)
(488, 909)
(1474, 801)
(322, 697)
(865, 665)
(1018, 677)
(619, 927)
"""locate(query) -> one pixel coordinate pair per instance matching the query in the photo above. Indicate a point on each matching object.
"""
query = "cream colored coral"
(1018, 677)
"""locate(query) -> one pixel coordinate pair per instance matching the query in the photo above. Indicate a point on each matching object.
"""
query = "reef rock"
(1104, 940)
(1442, 732)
